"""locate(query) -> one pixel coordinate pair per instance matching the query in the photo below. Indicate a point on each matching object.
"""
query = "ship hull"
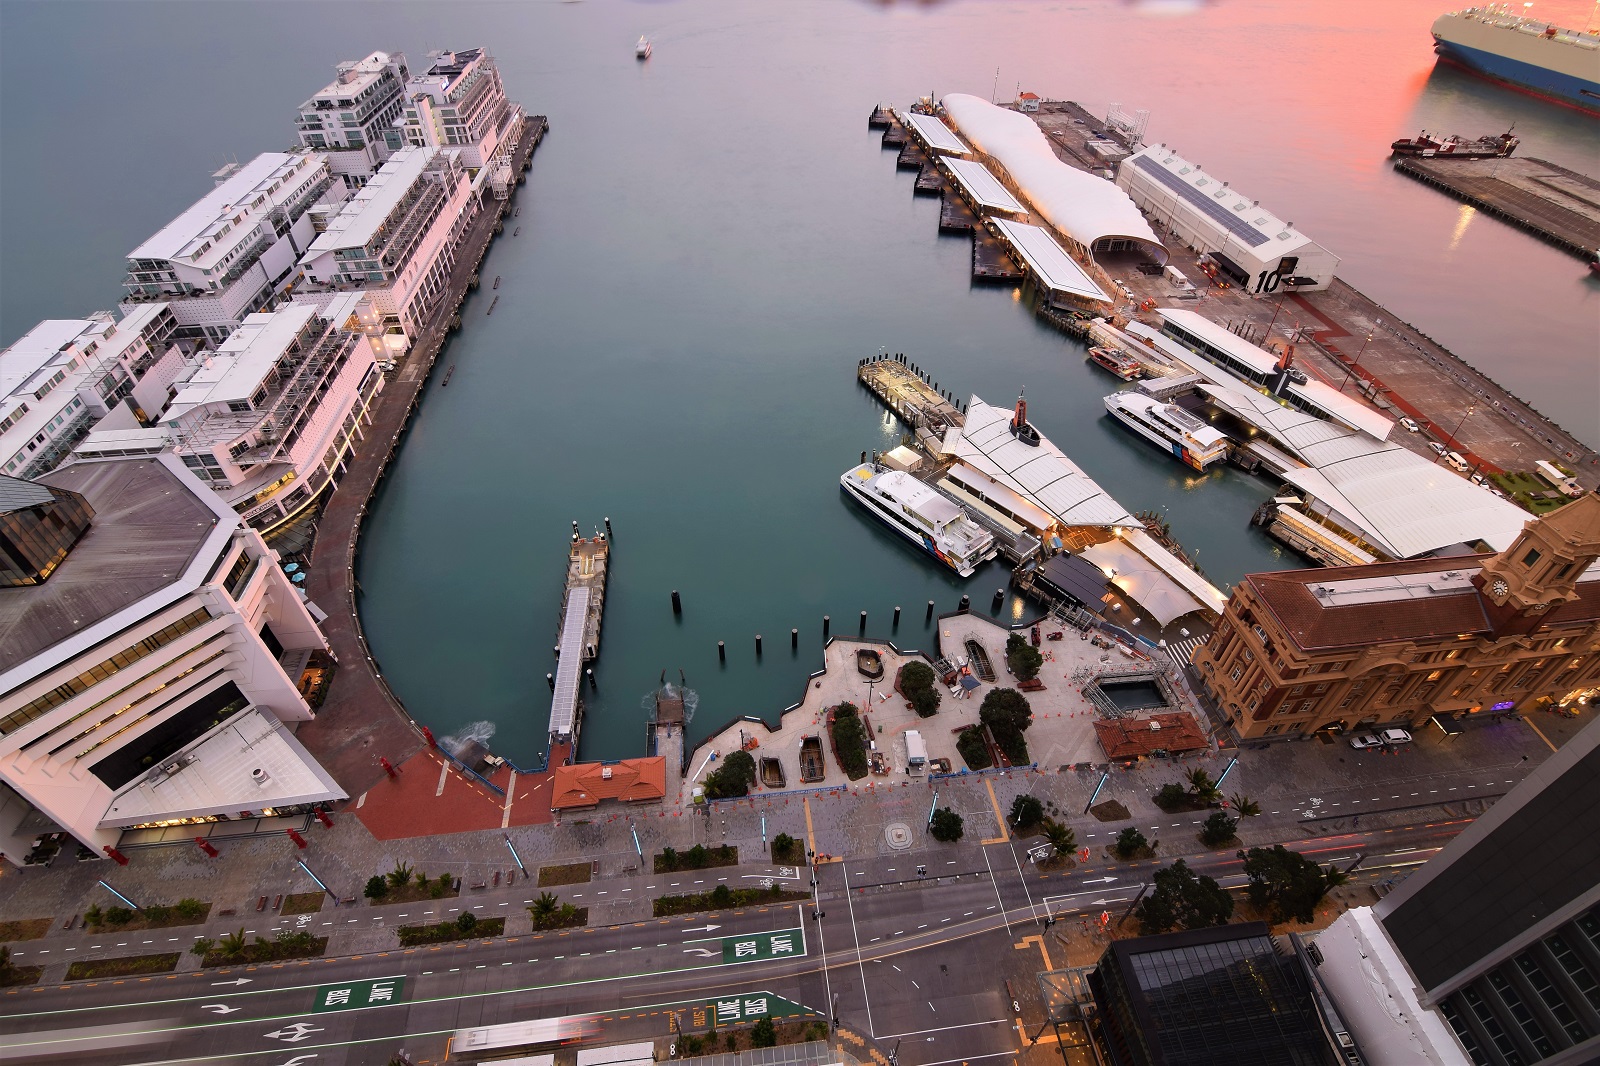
(1171, 447)
(924, 542)
(1519, 60)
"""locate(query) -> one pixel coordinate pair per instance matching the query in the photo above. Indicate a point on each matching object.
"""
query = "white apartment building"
(64, 375)
(269, 419)
(233, 251)
(1260, 251)
(145, 679)
(460, 103)
(352, 119)
(395, 239)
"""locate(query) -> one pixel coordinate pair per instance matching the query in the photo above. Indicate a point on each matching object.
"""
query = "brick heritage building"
(1393, 644)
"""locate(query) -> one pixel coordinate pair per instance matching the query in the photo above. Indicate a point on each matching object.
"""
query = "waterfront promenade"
(362, 720)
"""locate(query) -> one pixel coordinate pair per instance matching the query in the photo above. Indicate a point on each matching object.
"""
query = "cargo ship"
(1524, 53)
(1430, 146)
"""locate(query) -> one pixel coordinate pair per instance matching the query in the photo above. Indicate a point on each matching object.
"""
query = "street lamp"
(1455, 444)
(1357, 364)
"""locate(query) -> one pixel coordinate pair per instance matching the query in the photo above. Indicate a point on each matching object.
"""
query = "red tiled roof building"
(1393, 644)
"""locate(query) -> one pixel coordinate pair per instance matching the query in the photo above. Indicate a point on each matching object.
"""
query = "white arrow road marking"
(702, 928)
(220, 1008)
(298, 1059)
(293, 1034)
(236, 981)
(1098, 880)
(704, 953)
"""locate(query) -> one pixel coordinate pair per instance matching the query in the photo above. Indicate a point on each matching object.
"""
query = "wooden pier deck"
(991, 261)
(587, 568)
(903, 391)
(1556, 204)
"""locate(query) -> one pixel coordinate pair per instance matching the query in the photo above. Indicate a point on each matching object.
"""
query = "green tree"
(377, 887)
(849, 740)
(1172, 797)
(157, 913)
(1007, 714)
(973, 749)
(1061, 838)
(764, 1034)
(203, 946)
(1244, 806)
(695, 858)
(919, 684)
(1130, 842)
(1180, 898)
(946, 825)
(1026, 811)
(1022, 657)
(1287, 883)
(669, 858)
(93, 916)
(783, 844)
(118, 916)
(567, 914)
(1217, 829)
(400, 876)
(733, 778)
(722, 896)
(190, 908)
(543, 909)
(466, 921)
(1202, 788)
(233, 945)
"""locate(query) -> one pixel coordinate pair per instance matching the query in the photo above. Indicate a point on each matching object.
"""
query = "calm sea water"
(710, 241)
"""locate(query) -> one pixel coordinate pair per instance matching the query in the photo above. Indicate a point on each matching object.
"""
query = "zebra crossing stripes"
(1184, 650)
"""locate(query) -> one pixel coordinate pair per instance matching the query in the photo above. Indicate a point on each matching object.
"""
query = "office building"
(269, 419)
(352, 119)
(395, 240)
(234, 250)
(459, 102)
(1490, 952)
(1397, 644)
(63, 376)
(147, 677)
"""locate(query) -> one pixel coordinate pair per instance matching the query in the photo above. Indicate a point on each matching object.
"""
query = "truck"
(916, 754)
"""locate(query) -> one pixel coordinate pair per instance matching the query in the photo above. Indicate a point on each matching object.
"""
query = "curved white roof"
(1084, 207)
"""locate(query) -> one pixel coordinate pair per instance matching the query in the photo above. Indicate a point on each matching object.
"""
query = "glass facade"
(34, 539)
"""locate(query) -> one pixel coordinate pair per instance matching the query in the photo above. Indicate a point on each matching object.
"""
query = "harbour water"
(710, 240)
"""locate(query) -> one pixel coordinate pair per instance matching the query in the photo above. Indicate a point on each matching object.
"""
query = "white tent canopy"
(1142, 581)
(1085, 208)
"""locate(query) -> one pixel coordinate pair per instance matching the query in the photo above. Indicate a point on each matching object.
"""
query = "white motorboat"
(642, 49)
(1169, 427)
(913, 509)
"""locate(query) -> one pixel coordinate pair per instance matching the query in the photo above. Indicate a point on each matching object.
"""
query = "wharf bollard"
(722, 652)
(999, 599)
(863, 623)
(590, 672)
(966, 603)
(897, 616)
(824, 627)
(677, 604)
(794, 639)
(758, 645)
(552, 679)
(929, 617)
(557, 649)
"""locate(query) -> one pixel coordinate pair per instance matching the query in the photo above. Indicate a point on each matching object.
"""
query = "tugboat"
(1020, 428)
(1427, 145)
(642, 49)
(1118, 362)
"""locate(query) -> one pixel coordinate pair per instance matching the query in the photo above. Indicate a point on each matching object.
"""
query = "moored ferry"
(937, 525)
(1118, 362)
(1169, 427)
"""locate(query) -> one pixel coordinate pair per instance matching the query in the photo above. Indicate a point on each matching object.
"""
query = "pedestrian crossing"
(1184, 650)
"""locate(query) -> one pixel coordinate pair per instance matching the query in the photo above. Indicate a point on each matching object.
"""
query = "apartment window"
(1458, 1025)
(1551, 997)
(1237, 672)
(1297, 690)
(1272, 729)
(1575, 969)
(1306, 705)
(1491, 1025)
(1434, 675)
(1523, 1016)
(1320, 689)
(1246, 656)
(1531, 558)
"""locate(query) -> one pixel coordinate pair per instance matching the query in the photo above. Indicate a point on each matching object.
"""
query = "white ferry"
(920, 514)
(1169, 427)
(642, 50)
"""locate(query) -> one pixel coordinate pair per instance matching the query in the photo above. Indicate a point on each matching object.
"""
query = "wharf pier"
(361, 719)
(1342, 337)
(1553, 203)
(582, 609)
(909, 393)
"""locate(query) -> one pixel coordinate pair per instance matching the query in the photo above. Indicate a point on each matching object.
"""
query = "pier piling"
(999, 599)
(929, 617)
(824, 627)
(758, 645)
(794, 640)
(722, 652)
(863, 623)
(677, 604)
(966, 603)
(608, 525)
(552, 679)
(589, 672)
(897, 616)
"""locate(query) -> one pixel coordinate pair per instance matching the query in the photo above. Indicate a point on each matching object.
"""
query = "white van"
(1177, 278)
(1456, 460)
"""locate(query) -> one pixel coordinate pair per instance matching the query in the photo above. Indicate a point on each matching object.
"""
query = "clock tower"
(1538, 572)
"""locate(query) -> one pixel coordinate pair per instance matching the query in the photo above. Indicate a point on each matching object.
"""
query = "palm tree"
(1244, 806)
(1202, 787)
(1061, 837)
(232, 946)
(1333, 877)
(400, 876)
(543, 909)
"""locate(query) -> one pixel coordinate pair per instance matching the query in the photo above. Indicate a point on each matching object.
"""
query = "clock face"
(1499, 588)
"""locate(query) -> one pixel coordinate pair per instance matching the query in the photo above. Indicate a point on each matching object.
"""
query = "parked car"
(1438, 449)
(1411, 425)
(1384, 739)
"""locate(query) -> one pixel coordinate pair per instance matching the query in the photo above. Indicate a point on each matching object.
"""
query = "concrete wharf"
(1343, 338)
(582, 608)
(909, 394)
(1554, 203)
(361, 719)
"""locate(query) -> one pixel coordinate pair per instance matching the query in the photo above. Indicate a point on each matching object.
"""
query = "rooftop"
(149, 527)
(629, 781)
(1131, 738)
(1247, 220)
(984, 188)
(19, 495)
(1047, 259)
(36, 349)
(184, 236)
(354, 77)
(359, 220)
(935, 134)
(240, 364)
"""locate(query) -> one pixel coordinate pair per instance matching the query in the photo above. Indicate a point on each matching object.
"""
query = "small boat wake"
(669, 693)
(472, 732)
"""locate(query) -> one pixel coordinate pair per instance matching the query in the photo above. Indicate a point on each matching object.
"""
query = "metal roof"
(17, 495)
(564, 701)
(984, 188)
(1048, 260)
(1042, 474)
(359, 220)
(935, 134)
(1226, 207)
(181, 237)
(242, 362)
(1084, 207)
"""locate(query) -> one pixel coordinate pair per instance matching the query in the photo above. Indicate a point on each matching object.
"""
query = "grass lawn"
(127, 966)
(24, 929)
(573, 873)
(444, 932)
(303, 902)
